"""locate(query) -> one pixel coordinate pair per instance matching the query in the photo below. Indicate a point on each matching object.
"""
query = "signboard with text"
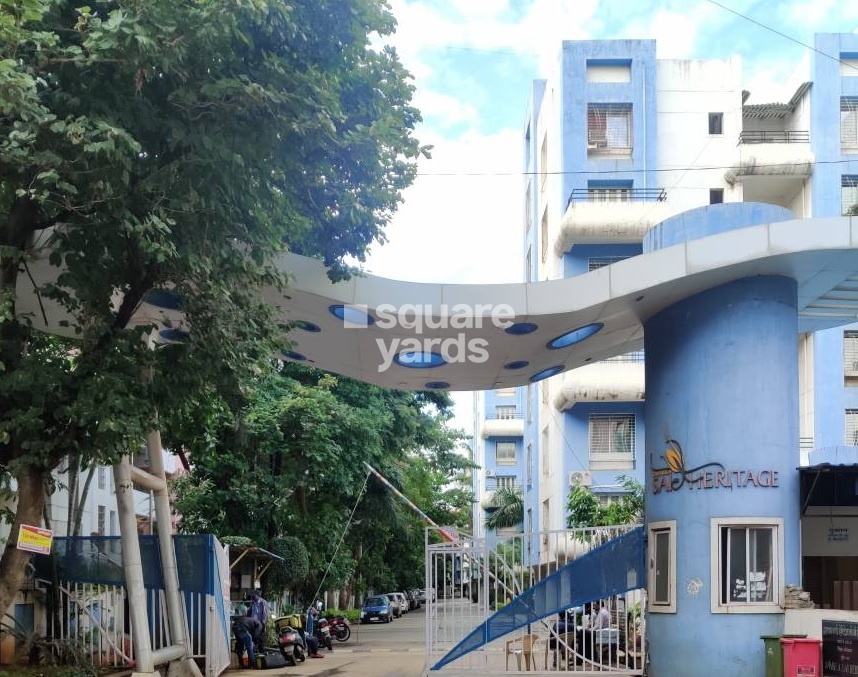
(35, 539)
(839, 648)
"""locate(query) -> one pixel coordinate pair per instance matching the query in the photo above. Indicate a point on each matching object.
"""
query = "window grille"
(849, 122)
(102, 512)
(612, 433)
(506, 482)
(716, 123)
(609, 127)
(543, 235)
(102, 477)
(850, 352)
(849, 195)
(596, 262)
(851, 427)
(506, 412)
(607, 194)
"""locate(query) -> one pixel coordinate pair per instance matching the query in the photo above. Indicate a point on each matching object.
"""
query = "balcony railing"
(610, 195)
(634, 356)
(504, 415)
(775, 136)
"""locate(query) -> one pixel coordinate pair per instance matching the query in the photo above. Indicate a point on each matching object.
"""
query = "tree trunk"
(75, 520)
(13, 564)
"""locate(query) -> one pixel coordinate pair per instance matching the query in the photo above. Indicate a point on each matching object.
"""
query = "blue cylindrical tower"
(721, 455)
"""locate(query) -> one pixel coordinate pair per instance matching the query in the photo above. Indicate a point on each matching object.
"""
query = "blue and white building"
(614, 142)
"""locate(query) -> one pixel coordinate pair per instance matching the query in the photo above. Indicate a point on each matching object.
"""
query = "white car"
(427, 595)
(400, 601)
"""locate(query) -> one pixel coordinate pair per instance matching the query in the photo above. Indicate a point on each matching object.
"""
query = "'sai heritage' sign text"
(675, 475)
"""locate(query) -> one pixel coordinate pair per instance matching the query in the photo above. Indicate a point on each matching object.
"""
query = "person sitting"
(247, 632)
(603, 618)
(565, 623)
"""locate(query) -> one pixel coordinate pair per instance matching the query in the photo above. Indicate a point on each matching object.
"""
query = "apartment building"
(614, 142)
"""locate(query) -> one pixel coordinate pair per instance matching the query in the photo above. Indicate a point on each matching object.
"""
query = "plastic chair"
(521, 646)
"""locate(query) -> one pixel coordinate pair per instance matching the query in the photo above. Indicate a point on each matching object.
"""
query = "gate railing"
(474, 578)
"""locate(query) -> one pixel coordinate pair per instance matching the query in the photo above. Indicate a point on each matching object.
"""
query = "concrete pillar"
(722, 444)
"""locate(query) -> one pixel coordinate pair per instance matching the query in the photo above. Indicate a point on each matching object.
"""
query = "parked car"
(414, 598)
(377, 607)
(400, 604)
(427, 595)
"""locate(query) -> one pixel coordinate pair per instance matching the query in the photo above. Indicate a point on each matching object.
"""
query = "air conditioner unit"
(490, 473)
(581, 477)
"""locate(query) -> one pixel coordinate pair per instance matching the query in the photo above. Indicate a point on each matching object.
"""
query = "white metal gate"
(472, 579)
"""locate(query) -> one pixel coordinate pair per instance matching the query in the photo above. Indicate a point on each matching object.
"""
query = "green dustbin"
(775, 654)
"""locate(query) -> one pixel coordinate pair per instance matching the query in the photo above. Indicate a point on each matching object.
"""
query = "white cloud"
(446, 110)
(461, 227)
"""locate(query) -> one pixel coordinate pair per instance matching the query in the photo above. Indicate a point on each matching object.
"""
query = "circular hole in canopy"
(308, 326)
(292, 355)
(521, 328)
(174, 335)
(546, 373)
(437, 385)
(517, 364)
(163, 298)
(418, 359)
(352, 316)
(570, 338)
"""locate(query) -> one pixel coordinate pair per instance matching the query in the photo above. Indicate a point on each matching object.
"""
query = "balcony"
(622, 215)
(774, 153)
(504, 425)
(619, 379)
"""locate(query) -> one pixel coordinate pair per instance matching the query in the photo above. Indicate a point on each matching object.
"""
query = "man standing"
(258, 610)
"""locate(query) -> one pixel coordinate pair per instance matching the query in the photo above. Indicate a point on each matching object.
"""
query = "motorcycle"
(322, 631)
(340, 628)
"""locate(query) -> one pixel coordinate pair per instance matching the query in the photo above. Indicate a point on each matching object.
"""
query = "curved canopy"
(474, 337)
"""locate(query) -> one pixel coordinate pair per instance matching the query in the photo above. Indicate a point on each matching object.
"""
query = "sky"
(473, 63)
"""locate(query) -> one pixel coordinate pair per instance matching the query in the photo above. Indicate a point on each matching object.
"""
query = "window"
(505, 392)
(609, 194)
(747, 567)
(102, 518)
(505, 481)
(596, 262)
(505, 412)
(543, 235)
(609, 128)
(113, 524)
(849, 195)
(543, 163)
(528, 265)
(530, 520)
(546, 453)
(612, 433)
(716, 123)
(102, 477)
(505, 453)
(528, 209)
(850, 354)
(546, 520)
(529, 463)
(716, 196)
(529, 396)
(849, 122)
(851, 427)
(661, 572)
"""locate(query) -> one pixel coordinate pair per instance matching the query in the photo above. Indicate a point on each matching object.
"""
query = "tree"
(584, 510)
(147, 156)
(289, 462)
(508, 503)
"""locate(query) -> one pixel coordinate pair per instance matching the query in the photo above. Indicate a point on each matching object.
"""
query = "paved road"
(377, 650)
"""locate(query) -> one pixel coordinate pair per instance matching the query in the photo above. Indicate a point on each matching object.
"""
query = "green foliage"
(144, 155)
(508, 504)
(289, 464)
(351, 615)
(584, 510)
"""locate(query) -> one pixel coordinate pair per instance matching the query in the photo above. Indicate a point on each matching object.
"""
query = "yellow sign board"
(34, 539)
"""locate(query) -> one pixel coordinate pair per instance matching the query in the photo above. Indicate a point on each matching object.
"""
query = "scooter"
(340, 628)
(291, 645)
